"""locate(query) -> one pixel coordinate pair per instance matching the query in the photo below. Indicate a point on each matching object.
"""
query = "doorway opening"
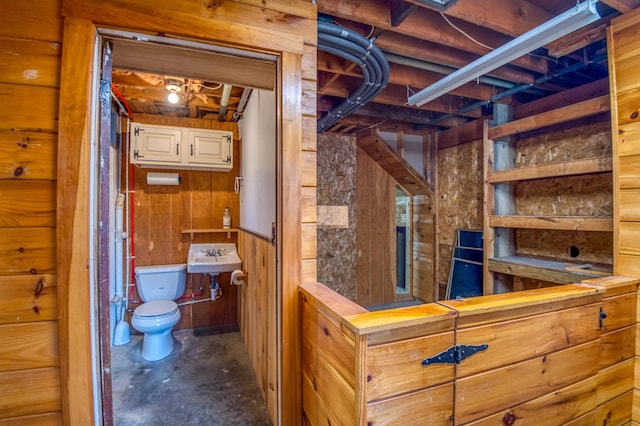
(144, 71)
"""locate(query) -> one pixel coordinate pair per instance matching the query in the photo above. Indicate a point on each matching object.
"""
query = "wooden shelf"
(559, 223)
(550, 118)
(578, 167)
(547, 270)
(192, 232)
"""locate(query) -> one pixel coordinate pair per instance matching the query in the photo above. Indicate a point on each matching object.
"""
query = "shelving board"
(192, 232)
(558, 223)
(546, 270)
(553, 117)
(578, 167)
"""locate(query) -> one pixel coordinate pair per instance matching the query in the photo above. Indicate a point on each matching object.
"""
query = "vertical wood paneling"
(290, 237)
(73, 222)
(376, 239)
(257, 312)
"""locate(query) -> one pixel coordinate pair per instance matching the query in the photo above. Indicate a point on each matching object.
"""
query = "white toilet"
(158, 287)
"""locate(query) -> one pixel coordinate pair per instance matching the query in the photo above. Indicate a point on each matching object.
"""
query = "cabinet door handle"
(177, 149)
(192, 150)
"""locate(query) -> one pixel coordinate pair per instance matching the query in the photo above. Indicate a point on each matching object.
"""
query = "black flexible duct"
(359, 49)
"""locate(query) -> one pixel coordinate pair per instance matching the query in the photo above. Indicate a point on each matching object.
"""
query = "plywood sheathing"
(337, 252)
(595, 247)
(581, 195)
(577, 143)
(460, 200)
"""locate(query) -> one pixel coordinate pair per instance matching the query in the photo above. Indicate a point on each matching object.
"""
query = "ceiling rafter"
(426, 25)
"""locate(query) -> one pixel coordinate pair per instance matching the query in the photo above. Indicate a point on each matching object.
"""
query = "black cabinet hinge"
(455, 354)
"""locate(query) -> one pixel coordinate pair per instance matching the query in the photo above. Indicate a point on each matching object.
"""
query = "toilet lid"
(155, 308)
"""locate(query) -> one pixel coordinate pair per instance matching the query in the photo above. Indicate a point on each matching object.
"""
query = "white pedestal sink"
(213, 258)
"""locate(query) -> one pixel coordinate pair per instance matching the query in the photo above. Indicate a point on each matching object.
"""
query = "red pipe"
(123, 100)
(132, 254)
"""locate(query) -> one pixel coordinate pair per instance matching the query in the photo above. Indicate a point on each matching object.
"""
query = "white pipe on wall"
(119, 237)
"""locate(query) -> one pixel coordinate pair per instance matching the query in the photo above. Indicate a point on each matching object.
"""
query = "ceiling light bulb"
(173, 98)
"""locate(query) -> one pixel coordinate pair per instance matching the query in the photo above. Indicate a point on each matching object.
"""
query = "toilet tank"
(161, 282)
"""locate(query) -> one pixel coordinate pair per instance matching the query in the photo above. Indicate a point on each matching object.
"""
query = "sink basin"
(213, 258)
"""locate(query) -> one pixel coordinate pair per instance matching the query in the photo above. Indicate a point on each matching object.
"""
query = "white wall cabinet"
(181, 148)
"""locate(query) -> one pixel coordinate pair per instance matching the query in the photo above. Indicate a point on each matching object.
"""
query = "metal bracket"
(105, 92)
(601, 318)
(455, 354)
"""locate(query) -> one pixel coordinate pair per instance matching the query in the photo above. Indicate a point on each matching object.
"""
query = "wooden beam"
(564, 98)
(406, 176)
(73, 227)
(558, 223)
(403, 75)
(549, 118)
(430, 51)
(200, 20)
(468, 132)
(590, 165)
(399, 10)
(426, 25)
(580, 38)
(622, 6)
(512, 17)
(397, 95)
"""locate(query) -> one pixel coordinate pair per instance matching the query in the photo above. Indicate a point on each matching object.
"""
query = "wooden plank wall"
(376, 240)
(423, 252)
(257, 312)
(29, 87)
(162, 212)
(576, 367)
(624, 56)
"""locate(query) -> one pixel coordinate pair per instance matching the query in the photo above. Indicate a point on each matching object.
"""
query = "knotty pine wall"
(29, 88)
(162, 212)
(624, 55)
(376, 230)
(257, 312)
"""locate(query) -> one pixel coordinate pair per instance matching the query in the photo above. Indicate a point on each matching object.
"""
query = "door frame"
(79, 381)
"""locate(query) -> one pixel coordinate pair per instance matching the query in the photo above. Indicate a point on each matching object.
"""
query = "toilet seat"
(156, 308)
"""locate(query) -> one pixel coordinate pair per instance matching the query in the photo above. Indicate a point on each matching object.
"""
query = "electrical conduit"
(359, 49)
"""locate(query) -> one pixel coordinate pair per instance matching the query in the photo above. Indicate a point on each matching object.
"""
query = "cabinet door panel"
(210, 147)
(155, 144)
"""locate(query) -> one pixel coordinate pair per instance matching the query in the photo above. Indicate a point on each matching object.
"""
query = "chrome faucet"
(214, 252)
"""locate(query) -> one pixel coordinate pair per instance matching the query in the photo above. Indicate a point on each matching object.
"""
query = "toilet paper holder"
(237, 277)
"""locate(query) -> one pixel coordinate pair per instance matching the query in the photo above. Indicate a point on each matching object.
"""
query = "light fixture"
(174, 86)
(437, 4)
(563, 24)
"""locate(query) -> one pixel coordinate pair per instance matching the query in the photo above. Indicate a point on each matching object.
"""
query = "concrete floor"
(207, 381)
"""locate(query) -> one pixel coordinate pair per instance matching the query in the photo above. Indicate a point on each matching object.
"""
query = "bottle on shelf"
(226, 219)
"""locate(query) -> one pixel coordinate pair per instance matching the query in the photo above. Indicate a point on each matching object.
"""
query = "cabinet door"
(155, 144)
(210, 148)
